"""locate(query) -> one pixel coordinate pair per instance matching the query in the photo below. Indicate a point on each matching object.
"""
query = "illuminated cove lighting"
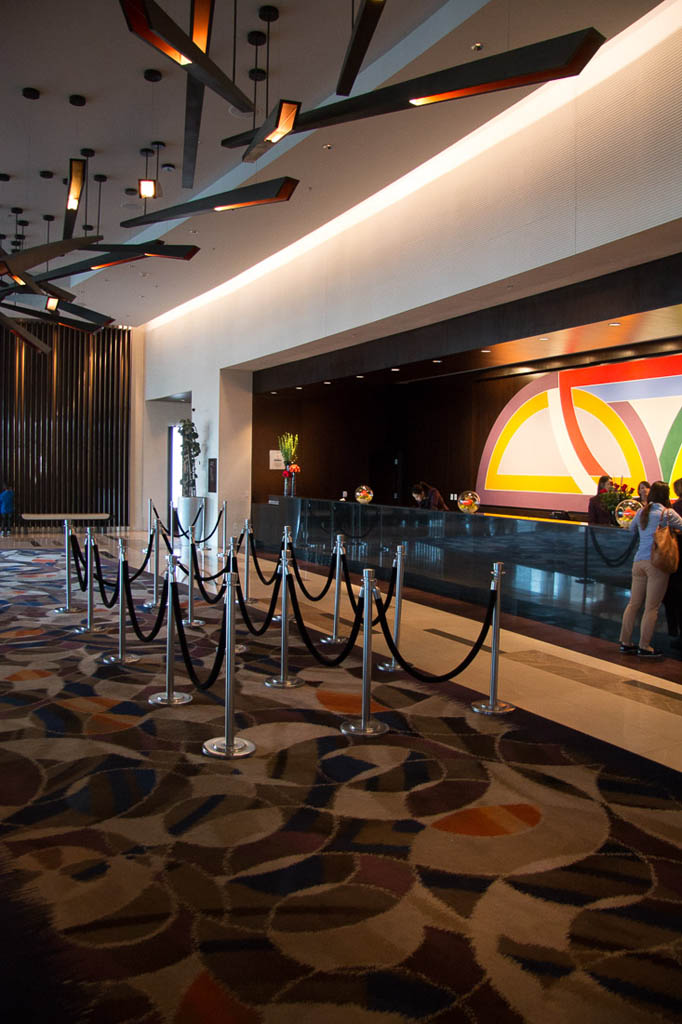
(614, 55)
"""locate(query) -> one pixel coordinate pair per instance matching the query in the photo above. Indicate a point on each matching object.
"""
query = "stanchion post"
(122, 658)
(229, 568)
(155, 597)
(287, 541)
(334, 637)
(401, 551)
(66, 607)
(248, 534)
(366, 725)
(149, 516)
(283, 681)
(203, 524)
(493, 706)
(229, 745)
(223, 546)
(171, 526)
(170, 697)
(190, 620)
(89, 574)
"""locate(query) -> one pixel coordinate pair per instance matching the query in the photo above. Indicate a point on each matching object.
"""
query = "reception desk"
(558, 572)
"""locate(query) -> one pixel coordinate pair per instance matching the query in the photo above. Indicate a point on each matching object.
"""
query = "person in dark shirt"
(6, 509)
(597, 514)
(427, 496)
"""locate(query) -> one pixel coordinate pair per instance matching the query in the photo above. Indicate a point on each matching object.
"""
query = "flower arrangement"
(288, 446)
(289, 470)
(611, 499)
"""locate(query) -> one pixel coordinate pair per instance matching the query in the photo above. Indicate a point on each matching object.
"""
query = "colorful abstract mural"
(560, 433)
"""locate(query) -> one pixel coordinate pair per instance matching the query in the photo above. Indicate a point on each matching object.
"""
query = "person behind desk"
(597, 513)
(6, 509)
(427, 496)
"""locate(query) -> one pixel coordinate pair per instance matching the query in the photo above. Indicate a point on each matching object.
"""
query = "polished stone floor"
(576, 681)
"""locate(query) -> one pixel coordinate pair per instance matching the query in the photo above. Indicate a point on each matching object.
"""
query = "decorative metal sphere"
(364, 494)
(468, 501)
(626, 511)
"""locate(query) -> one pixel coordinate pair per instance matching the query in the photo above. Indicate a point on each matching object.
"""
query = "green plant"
(288, 446)
(190, 453)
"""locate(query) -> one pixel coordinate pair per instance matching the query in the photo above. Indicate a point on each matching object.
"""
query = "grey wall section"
(65, 421)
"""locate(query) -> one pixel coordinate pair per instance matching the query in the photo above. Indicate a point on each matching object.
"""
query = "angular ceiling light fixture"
(51, 303)
(202, 25)
(151, 24)
(27, 258)
(363, 29)
(528, 65)
(73, 195)
(22, 332)
(280, 122)
(113, 255)
(277, 190)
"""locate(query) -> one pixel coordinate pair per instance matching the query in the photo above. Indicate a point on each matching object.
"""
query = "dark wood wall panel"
(65, 421)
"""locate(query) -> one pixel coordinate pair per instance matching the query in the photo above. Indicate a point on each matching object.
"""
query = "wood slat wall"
(65, 421)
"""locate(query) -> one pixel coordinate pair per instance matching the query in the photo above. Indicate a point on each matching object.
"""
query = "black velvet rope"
(613, 563)
(204, 540)
(299, 580)
(184, 647)
(349, 586)
(208, 598)
(186, 533)
(133, 615)
(261, 577)
(205, 579)
(148, 555)
(77, 561)
(241, 538)
(102, 583)
(165, 528)
(259, 630)
(426, 677)
(306, 638)
(386, 601)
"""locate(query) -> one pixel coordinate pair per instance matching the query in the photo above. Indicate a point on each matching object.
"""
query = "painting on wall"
(560, 433)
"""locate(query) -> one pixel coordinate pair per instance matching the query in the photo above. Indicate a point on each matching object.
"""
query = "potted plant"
(189, 504)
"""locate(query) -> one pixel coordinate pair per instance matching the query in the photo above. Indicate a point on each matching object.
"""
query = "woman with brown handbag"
(649, 582)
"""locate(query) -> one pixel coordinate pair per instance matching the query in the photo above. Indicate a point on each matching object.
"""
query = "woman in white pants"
(648, 583)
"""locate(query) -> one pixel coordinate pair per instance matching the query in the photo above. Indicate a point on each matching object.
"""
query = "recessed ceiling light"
(395, 369)
(543, 339)
(436, 360)
(328, 146)
(326, 382)
(273, 392)
(616, 323)
(485, 350)
(360, 376)
(299, 388)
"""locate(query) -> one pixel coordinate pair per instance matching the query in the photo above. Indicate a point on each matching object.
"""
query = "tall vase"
(288, 481)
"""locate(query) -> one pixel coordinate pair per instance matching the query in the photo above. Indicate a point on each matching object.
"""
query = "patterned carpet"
(456, 869)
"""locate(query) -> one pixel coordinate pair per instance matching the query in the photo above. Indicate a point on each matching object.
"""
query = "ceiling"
(86, 48)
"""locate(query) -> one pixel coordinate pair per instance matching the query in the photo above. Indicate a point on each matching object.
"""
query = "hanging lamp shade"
(74, 189)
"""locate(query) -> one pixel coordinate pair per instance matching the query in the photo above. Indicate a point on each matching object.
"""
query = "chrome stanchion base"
(334, 641)
(164, 699)
(83, 630)
(278, 618)
(194, 622)
(150, 605)
(240, 648)
(484, 707)
(284, 684)
(218, 748)
(63, 610)
(388, 666)
(354, 727)
(113, 659)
